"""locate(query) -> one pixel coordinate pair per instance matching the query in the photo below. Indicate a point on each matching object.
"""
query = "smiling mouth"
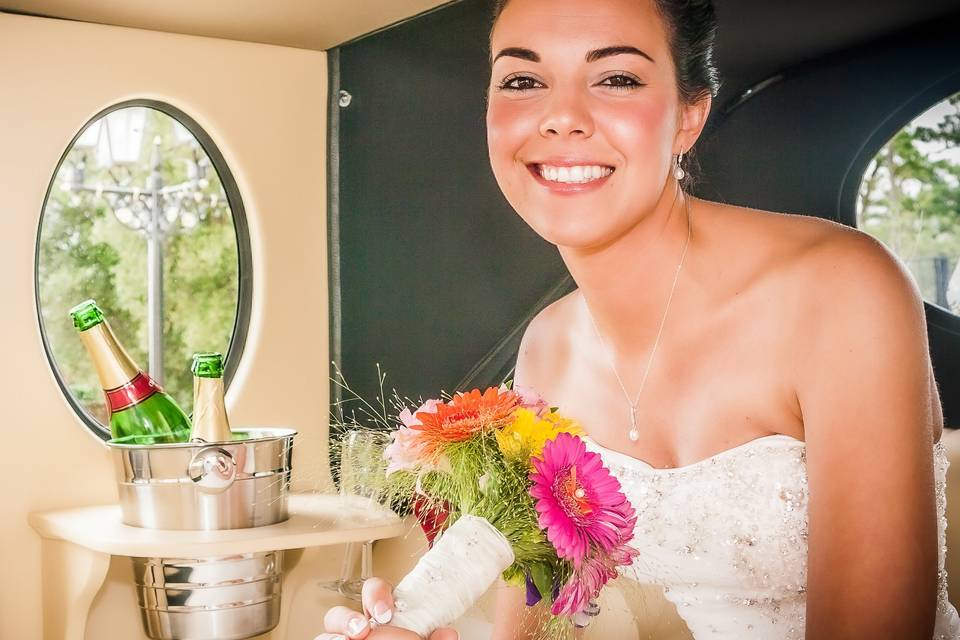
(579, 174)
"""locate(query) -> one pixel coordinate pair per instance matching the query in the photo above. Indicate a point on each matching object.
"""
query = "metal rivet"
(345, 98)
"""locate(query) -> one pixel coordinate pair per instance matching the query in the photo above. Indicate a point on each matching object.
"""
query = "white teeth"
(576, 175)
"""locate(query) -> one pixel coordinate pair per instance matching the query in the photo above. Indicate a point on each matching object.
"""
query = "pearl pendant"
(634, 435)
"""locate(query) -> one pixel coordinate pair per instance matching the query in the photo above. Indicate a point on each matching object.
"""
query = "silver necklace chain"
(634, 433)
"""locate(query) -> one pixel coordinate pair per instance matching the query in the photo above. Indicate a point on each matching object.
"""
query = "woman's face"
(559, 96)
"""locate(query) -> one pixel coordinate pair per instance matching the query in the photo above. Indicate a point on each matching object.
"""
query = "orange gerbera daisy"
(466, 414)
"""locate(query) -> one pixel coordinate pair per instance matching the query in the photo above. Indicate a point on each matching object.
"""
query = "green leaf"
(542, 579)
(514, 576)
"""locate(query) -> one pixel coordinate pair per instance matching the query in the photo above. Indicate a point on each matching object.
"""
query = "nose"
(566, 114)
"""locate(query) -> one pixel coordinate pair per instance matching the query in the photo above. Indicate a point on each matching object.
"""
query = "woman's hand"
(341, 623)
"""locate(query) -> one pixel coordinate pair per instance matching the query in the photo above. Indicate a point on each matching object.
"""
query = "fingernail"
(356, 626)
(382, 613)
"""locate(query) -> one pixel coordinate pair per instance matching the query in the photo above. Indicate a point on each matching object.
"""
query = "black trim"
(333, 223)
(900, 117)
(909, 109)
(241, 323)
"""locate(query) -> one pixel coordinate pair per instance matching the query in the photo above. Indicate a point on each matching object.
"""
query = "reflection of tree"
(72, 266)
(85, 252)
(910, 199)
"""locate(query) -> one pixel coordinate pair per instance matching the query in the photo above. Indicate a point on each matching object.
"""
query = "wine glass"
(363, 471)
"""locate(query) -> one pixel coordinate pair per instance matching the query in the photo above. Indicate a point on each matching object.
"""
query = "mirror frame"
(241, 323)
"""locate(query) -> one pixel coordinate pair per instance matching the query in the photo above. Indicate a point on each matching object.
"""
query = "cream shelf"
(315, 520)
(77, 545)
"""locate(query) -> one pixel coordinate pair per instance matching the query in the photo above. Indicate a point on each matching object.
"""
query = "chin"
(580, 233)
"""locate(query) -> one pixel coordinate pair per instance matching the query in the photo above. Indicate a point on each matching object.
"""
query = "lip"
(569, 188)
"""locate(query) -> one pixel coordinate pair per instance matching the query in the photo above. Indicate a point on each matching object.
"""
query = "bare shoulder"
(844, 267)
(823, 274)
(815, 254)
(854, 291)
(545, 344)
(841, 287)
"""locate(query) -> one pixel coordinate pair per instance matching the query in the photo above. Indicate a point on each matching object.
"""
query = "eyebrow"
(592, 56)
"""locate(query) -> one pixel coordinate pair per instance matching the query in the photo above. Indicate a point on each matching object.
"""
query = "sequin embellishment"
(726, 537)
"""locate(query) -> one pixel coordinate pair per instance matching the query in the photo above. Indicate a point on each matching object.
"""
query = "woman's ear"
(693, 117)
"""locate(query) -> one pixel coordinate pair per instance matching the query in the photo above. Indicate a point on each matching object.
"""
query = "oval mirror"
(143, 216)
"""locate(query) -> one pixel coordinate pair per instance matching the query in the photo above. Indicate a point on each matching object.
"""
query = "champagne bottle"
(140, 412)
(210, 423)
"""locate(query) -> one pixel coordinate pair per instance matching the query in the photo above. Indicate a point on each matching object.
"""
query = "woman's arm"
(863, 380)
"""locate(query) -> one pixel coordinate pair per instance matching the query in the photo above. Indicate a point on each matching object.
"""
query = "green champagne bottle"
(210, 422)
(140, 412)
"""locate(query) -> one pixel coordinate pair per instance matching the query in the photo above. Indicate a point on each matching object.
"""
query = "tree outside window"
(910, 200)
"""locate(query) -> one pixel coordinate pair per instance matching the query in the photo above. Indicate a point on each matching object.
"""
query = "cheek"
(508, 126)
(642, 131)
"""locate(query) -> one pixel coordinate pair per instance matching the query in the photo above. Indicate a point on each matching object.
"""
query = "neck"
(626, 283)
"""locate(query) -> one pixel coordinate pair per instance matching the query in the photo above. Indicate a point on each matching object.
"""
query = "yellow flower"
(525, 436)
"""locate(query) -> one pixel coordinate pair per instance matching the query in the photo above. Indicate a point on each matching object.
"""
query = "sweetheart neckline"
(938, 448)
(698, 463)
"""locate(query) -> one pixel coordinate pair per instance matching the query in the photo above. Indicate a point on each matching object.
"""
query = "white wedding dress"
(726, 537)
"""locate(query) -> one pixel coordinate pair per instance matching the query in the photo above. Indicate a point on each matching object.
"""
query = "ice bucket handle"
(213, 470)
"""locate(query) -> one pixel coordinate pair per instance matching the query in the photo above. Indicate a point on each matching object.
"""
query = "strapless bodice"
(726, 537)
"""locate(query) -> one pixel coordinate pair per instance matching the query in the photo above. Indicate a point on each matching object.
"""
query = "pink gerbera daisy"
(587, 580)
(579, 503)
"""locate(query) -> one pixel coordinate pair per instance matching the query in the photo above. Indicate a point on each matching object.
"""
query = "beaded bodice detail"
(726, 537)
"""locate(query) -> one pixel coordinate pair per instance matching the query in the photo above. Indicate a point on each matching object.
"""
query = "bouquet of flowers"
(512, 490)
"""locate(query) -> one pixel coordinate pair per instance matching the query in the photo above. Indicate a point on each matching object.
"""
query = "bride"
(759, 382)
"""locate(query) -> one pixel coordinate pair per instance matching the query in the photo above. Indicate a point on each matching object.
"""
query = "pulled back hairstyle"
(691, 27)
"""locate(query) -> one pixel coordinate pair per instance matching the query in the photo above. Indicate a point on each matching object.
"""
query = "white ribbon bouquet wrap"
(452, 576)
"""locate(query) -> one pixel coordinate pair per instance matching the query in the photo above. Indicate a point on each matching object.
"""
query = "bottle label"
(134, 392)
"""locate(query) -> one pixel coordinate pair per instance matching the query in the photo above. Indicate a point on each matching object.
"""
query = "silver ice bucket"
(218, 485)
(225, 598)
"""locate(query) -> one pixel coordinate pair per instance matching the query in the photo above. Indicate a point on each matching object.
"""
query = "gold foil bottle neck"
(114, 367)
(210, 422)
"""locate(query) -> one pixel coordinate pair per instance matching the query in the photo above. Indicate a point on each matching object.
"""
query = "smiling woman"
(728, 363)
(616, 94)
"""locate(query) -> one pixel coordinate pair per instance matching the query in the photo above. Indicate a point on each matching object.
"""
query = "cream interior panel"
(310, 24)
(265, 107)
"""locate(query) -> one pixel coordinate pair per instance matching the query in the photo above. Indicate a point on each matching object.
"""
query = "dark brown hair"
(691, 27)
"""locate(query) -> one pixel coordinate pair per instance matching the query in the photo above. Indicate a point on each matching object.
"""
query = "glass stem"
(366, 560)
(349, 561)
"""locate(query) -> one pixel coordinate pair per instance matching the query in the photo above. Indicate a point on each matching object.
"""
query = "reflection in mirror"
(909, 200)
(137, 218)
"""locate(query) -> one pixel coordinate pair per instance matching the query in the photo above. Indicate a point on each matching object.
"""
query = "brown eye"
(621, 81)
(518, 83)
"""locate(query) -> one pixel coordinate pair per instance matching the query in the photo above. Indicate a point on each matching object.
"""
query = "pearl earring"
(678, 172)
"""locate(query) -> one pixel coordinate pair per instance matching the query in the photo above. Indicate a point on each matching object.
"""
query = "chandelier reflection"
(154, 210)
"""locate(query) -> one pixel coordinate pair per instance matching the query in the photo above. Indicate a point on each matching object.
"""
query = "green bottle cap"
(207, 365)
(85, 315)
